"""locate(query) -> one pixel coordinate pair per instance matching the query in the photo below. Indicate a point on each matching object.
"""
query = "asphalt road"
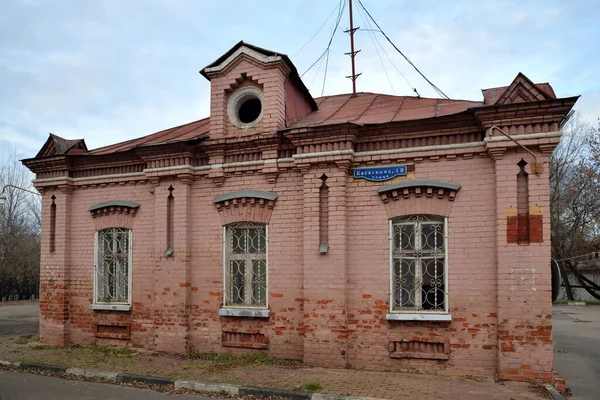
(21, 386)
(576, 334)
(19, 319)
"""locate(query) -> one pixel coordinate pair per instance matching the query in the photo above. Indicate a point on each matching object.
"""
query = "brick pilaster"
(523, 275)
(172, 276)
(325, 275)
(54, 273)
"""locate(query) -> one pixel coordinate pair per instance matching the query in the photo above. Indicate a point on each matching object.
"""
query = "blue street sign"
(379, 174)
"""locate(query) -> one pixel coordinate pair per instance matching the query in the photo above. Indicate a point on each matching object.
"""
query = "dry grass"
(209, 367)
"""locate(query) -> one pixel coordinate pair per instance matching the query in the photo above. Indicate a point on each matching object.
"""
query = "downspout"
(537, 166)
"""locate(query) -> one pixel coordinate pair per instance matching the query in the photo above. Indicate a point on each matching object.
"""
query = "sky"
(111, 70)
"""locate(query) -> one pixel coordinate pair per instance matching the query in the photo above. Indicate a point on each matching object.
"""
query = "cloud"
(109, 70)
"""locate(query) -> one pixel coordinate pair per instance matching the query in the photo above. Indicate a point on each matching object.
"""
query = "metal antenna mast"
(352, 52)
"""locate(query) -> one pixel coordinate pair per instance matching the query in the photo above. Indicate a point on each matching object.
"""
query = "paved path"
(577, 348)
(21, 386)
(19, 319)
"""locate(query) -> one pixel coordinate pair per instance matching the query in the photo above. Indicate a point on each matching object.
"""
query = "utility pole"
(352, 52)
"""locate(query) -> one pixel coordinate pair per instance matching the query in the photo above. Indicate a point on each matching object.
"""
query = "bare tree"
(575, 199)
(20, 225)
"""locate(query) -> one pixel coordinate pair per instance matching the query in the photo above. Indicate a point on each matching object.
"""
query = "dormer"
(254, 91)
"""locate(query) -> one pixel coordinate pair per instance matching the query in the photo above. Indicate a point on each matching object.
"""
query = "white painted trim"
(85, 178)
(224, 247)
(390, 262)
(243, 50)
(323, 154)
(418, 317)
(284, 160)
(419, 148)
(267, 268)
(447, 266)
(542, 135)
(243, 164)
(95, 272)
(244, 312)
(310, 155)
(111, 307)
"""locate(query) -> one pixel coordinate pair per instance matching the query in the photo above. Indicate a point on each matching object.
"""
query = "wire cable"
(337, 23)
(368, 23)
(371, 35)
(438, 90)
(319, 30)
(325, 75)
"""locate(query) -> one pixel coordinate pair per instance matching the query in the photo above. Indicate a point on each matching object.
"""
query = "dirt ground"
(19, 318)
(256, 369)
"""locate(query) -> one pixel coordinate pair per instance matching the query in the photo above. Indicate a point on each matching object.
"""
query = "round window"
(245, 107)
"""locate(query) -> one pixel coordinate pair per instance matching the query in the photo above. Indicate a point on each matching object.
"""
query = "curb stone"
(145, 379)
(207, 387)
(44, 367)
(265, 392)
(197, 386)
(554, 393)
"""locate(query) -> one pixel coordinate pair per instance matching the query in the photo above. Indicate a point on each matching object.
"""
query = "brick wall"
(326, 308)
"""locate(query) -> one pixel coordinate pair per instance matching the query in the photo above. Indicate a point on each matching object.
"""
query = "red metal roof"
(193, 130)
(373, 108)
(365, 108)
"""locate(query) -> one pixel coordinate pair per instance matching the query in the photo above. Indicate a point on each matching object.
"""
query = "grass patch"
(312, 387)
(226, 361)
(115, 351)
(24, 339)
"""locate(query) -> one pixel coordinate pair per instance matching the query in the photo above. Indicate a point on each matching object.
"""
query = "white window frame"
(418, 315)
(240, 310)
(113, 306)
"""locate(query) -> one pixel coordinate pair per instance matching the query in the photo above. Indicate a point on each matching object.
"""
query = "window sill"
(111, 307)
(418, 317)
(243, 312)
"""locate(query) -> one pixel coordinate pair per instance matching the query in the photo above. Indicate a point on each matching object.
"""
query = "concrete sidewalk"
(338, 384)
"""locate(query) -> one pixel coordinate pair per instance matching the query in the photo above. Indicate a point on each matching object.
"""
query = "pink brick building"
(372, 231)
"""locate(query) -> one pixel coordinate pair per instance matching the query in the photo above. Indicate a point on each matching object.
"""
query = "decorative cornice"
(256, 194)
(419, 187)
(246, 205)
(114, 207)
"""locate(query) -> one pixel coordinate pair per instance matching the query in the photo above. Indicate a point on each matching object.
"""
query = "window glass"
(113, 266)
(246, 257)
(418, 264)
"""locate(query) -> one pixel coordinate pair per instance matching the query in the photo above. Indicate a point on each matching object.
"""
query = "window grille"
(418, 261)
(245, 250)
(113, 266)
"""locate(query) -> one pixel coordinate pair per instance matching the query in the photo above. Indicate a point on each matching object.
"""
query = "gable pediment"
(55, 145)
(522, 90)
(255, 53)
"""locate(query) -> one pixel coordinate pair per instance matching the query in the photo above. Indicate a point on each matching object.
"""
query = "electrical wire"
(319, 30)
(372, 36)
(337, 23)
(438, 90)
(316, 74)
(368, 23)
(325, 75)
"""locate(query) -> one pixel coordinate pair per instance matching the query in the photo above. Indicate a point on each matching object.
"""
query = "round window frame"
(235, 103)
